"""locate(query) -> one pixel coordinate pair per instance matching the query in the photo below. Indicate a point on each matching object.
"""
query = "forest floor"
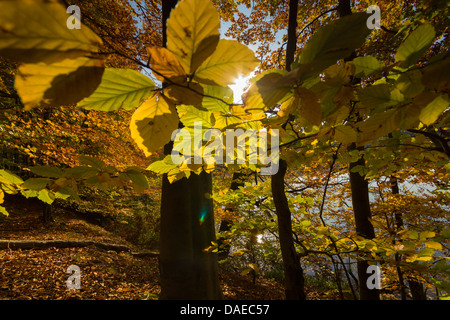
(41, 273)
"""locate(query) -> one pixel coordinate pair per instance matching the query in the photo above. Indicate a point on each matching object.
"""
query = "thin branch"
(327, 182)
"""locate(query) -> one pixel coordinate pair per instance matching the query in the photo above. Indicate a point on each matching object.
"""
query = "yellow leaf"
(193, 32)
(185, 93)
(165, 64)
(288, 106)
(433, 245)
(36, 31)
(246, 271)
(254, 267)
(152, 124)
(426, 234)
(229, 61)
(339, 74)
(2, 196)
(61, 83)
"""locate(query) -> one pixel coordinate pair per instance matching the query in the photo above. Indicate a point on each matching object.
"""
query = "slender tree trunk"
(398, 225)
(226, 224)
(47, 213)
(361, 209)
(415, 287)
(293, 272)
(187, 228)
(360, 196)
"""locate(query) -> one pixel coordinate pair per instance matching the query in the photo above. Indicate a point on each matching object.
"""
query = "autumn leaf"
(119, 88)
(193, 32)
(152, 124)
(165, 64)
(332, 42)
(415, 45)
(309, 107)
(367, 66)
(229, 61)
(36, 31)
(60, 83)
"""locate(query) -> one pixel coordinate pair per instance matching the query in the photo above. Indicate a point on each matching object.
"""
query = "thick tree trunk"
(187, 228)
(293, 272)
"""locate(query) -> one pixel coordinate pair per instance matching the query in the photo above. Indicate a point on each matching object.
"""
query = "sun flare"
(239, 87)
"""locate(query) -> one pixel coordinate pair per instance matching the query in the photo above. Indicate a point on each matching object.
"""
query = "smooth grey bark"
(187, 228)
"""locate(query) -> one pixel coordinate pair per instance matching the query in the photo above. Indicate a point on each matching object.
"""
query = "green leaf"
(378, 96)
(410, 84)
(434, 109)
(229, 61)
(267, 90)
(92, 162)
(137, 177)
(334, 41)
(345, 134)
(446, 233)
(415, 45)
(36, 31)
(47, 171)
(81, 172)
(153, 123)
(67, 192)
(36, 183)
(378, 125)
(435, 76)
(61, 83)
(367, 66)
(119, 88)
(193, 32)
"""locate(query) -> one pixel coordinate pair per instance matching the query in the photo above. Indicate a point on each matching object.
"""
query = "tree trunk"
(415, 287)
(398, 225)
(47, 213)
(225, 224)
(360, 196)
(187, 228)
(361, 209)
(293, 272)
